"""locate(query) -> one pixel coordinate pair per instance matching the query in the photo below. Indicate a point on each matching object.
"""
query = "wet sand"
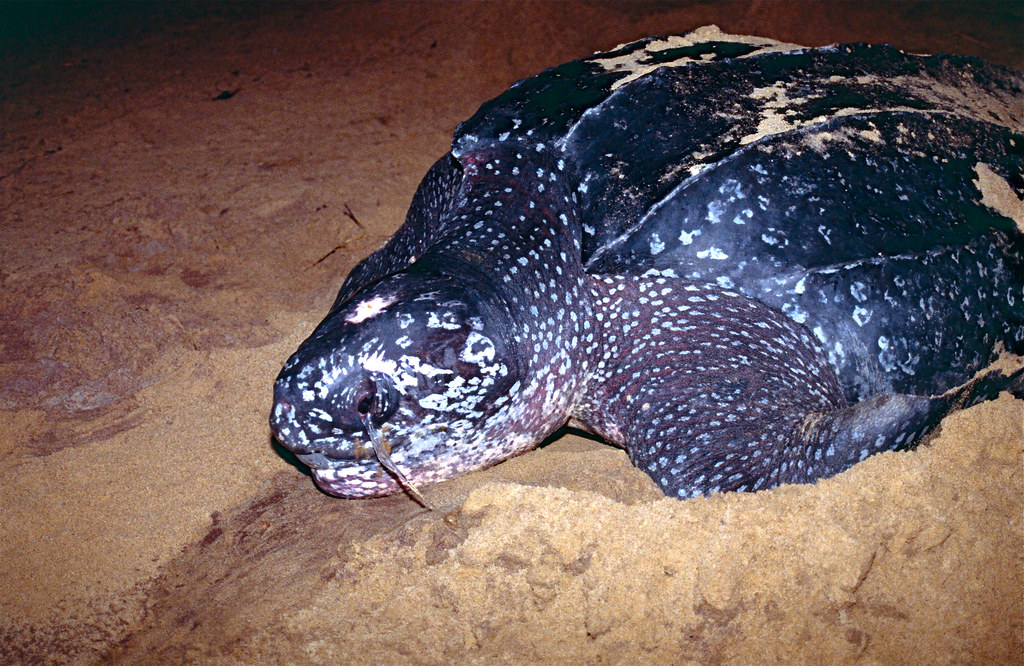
(183, 189)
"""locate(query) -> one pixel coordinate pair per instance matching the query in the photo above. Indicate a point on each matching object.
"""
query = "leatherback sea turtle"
(747, 262)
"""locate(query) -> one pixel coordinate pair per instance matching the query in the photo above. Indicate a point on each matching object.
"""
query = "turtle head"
(421, 364)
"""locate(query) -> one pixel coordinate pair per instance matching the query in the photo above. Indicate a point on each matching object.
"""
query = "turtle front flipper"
(710, 391)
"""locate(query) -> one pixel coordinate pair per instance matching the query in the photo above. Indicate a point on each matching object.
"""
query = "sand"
(183, 188)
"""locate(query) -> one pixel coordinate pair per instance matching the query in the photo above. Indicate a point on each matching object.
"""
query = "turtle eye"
(365, 404)
(378, 400)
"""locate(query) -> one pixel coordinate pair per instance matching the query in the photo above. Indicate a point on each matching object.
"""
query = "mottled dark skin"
(747, 265)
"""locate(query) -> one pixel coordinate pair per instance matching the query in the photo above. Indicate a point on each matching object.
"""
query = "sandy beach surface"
(182, 189)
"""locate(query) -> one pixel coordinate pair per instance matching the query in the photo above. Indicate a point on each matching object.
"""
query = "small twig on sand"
(343, 245)
(352, 216)
(321, 259)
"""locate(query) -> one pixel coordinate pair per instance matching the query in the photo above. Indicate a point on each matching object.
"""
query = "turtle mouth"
(346, 467)
(333, 452)
(369, 471)
(318, 460)
(356, 475)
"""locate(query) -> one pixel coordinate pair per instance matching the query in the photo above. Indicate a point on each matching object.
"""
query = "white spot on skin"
(369, 308)
(436, 402)
(479, 349)
(414, 364)
(795, 312)
(657, 245)
(377, 363)
(886, 357)
(715, 211)
(687, 238)
(712, 253)
(433, 321)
